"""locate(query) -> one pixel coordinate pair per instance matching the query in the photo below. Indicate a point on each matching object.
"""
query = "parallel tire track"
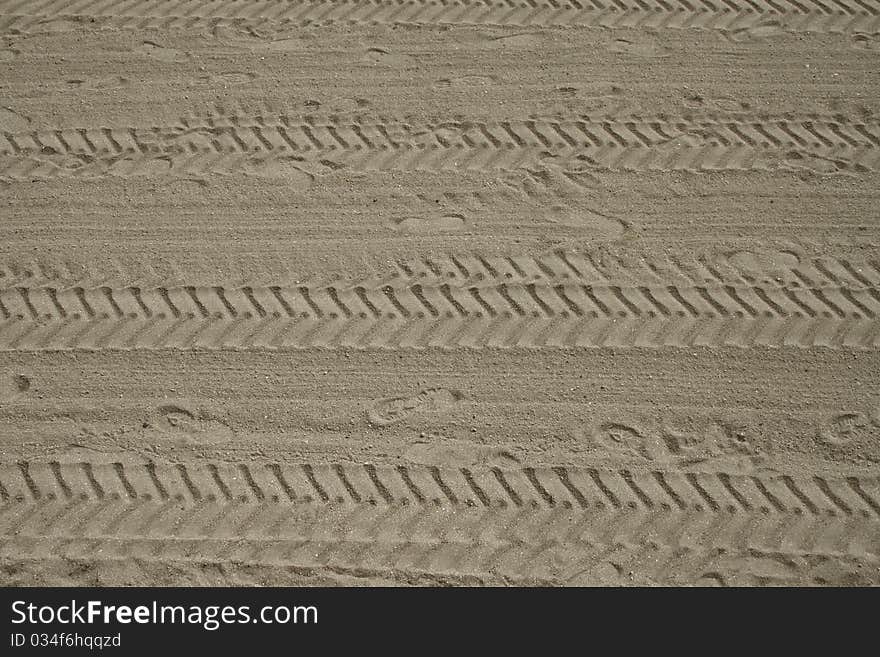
(118, 561)
(474, 520)
(845, 16)
(488, 313)
(227, 145)
(599, 267)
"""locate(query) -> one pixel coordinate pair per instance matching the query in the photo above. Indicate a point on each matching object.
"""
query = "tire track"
(547, 488)
(415, 518)
(276, 146)
(416, 562)
(598, 267)
(845, 16)
(471, 312)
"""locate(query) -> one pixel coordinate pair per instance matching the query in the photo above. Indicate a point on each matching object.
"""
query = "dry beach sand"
(460, 292)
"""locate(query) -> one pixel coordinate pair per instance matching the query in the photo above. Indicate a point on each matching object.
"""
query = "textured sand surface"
(575, 292)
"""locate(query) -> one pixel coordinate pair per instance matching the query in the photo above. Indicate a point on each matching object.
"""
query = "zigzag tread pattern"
(420, 562)
(232, 144)
(272, 505)
(493, 313)
(843, 16)
(600, 267)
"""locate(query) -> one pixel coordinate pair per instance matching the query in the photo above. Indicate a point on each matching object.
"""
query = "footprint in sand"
(184, 426)
(626, 440)
(711, 443)
(396, 409)
(844, 428)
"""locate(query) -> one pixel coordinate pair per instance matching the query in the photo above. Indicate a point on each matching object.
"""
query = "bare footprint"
(396, 409)
(450, 223)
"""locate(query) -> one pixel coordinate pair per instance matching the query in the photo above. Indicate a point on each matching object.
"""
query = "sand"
(338, 292)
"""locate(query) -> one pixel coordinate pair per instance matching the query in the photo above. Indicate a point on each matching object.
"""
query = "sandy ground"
(461, 292)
